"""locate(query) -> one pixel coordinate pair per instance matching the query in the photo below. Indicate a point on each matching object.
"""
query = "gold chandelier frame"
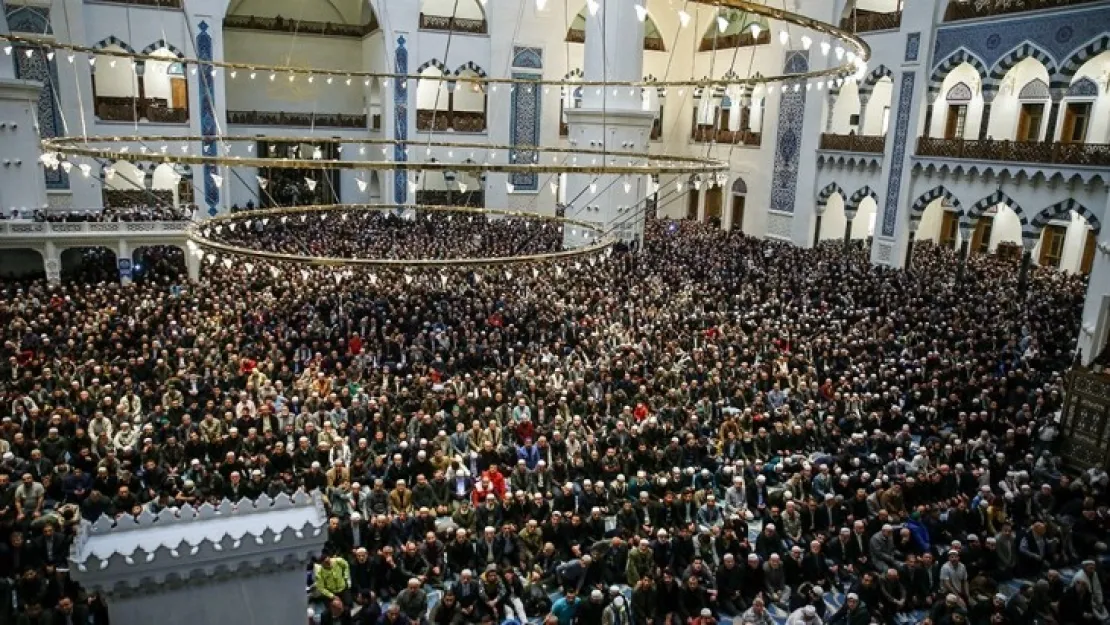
(849, 41)
(601, 161)
(201, 242)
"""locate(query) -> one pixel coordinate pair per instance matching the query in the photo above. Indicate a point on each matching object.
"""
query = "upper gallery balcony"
(971, 9)
(1046, 152)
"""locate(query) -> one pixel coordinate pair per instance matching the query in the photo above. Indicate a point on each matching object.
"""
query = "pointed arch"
(917, 210)
(436, 63)
(852, 206)
(739, 187)
(471, 66)
(827, 192)
(873, 78)
(994, 199)
(1024, 50)
(1077, 58)
(951, 62)
(112, 40)
(1060, 210)
(163, 44)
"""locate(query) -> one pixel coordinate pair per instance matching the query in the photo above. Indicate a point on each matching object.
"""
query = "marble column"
(612, 119)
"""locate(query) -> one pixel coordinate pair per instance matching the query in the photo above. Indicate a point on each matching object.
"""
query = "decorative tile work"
(897, 157)
(36, 67)
(960, 92)
(1035, 89)
(1058, 33)
(1083, 88)
(524, 129)
(778, 226)
(59, 201)
(28, 19)
(400, 121)
(527, 58)
(913, 46)
(792, 104)
(208, 126)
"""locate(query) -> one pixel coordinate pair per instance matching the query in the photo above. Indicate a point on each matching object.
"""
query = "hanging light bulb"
(233, 74)
(92, 60)
(540, 4)
(8, 50)
(641, 12)
(311, 187)
(253, 74)
(510, 187)
(784, 37)
(28, 52)
(683, 18)
(839, 53)
(273, 76)
(361, 185)
(697, 184)
(722, 23)
(593, 188)
(755, 31)
(593, 6)
(825, 47)
(262, 182)
(111, 63)
(50, 56)
(85, 169)
(628, 187)
(109, 173)
(554, 187)
(218, 179)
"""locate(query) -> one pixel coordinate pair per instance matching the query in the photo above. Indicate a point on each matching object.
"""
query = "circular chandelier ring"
(653, 164)
(199, 233)
(846, 68)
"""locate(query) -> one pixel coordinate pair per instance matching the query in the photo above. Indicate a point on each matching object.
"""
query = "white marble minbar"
(234, 564)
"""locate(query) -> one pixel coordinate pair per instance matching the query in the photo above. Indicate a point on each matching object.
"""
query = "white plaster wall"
(115, 77)
(967, 74)
(1098, 70)
(833, 221)
(281, 94)
(1006, 108)
(1006, 227)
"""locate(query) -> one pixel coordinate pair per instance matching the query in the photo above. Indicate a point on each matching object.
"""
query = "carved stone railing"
(114, 109)
(459, 121)
(453, 24)
(865, 22)
(874, 144)
(281, 24)
(707, 134)
(433, 121)
(971, 9)
(83, 229)
(1081, 154)
(301, 120)
(738, 40)
(161, 4)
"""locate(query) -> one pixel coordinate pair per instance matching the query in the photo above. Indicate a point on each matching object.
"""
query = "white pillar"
(1095, 327)
(613, 119)
(22, 185)
(52, 262)
(192, 265)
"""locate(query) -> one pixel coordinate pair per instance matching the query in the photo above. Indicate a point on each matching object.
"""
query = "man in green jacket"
(333, 579)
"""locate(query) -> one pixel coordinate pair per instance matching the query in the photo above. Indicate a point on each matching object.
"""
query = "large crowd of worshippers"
(387, 235)
(714, 427)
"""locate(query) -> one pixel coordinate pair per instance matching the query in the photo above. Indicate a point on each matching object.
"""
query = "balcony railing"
(453, 24)
(53, 228)
(281, 24)
(865, 22)
(459, 121)
(1082, 154)
(301, 120)
(154, 110)
(872, 144)
(970, 9)
(739, 40)
(708, 134)
(164, 4)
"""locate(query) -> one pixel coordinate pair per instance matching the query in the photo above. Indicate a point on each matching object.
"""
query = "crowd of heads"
(728, 426)
(414, 235)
